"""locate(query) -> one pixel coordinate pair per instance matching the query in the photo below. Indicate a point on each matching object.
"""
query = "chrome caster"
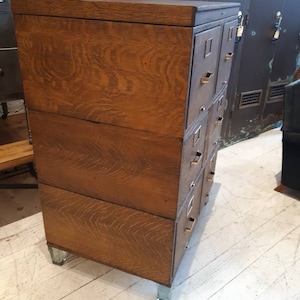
(58, 257)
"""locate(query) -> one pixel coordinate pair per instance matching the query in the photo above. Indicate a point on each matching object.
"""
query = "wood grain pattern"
(120, 165)
(110, 72)
(180, 13)
(152, 12)
(133, 241)
(15, 154)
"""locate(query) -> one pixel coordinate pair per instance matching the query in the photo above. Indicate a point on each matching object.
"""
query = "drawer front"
(226, 56)
(187, 221)
(215, 120)
(204, 71)
(7, 33)
(120, 165)
(121, 237)
(138, 82)
(192, 159)
(10, 76)
(208, 177)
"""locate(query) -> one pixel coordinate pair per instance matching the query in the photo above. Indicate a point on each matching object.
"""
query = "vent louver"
(250, 99)
(276, 93)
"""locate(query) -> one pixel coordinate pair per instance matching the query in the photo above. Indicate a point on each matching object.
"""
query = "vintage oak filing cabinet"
(126, 101)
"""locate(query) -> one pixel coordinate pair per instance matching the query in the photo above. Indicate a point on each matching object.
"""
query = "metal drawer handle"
(197, 158)
(206, 78)
(192, 225)
(219, 121)
(229, 55)
(211, 176)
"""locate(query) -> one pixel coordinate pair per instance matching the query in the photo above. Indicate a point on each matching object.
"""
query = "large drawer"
(120, 165)
(204, 72)
(10, 77)
(226, 56)
(7, 33)
(125, 74)
(125, 238)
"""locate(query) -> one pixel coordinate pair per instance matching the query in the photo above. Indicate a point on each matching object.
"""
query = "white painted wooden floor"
(245, 245)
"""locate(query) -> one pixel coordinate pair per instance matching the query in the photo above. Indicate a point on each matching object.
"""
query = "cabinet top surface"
(165, 12)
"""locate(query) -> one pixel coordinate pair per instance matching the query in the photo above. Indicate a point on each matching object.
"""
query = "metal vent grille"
(276, 93)
(250, 99)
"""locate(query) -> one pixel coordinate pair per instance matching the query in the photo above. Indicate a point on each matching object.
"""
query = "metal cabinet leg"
(163, 292)
(58, 257)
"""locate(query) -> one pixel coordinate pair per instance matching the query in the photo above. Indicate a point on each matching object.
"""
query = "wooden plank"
(125, 166)
(106, 74)
(128, 11)
(14, 154)
(133, 241)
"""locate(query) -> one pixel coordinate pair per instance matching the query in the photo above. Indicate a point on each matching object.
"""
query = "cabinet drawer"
(121, 237)
(192, 158)
(226, 56)
(186, 222)
(7, 33)
(92, 70)
(215, 120)
(120, 165)
(204, 71)
(10, 77)
(208, 177)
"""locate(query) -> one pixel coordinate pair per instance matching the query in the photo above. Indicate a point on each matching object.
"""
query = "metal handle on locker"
(211, 176)
(229, 55)
(206, 78)
(197, 158)
(192, 226)
(219, 121)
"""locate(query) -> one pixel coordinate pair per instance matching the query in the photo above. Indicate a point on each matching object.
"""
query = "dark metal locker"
(11, 87)
(265, 58)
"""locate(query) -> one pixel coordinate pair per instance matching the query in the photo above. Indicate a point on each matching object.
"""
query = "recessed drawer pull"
(1, 72)
(219, 121)
(189, 229)
(211, 176)
(229, 55)
(197, 158)
(206, 78)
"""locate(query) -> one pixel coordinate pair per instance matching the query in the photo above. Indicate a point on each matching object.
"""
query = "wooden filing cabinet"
(125, 101)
